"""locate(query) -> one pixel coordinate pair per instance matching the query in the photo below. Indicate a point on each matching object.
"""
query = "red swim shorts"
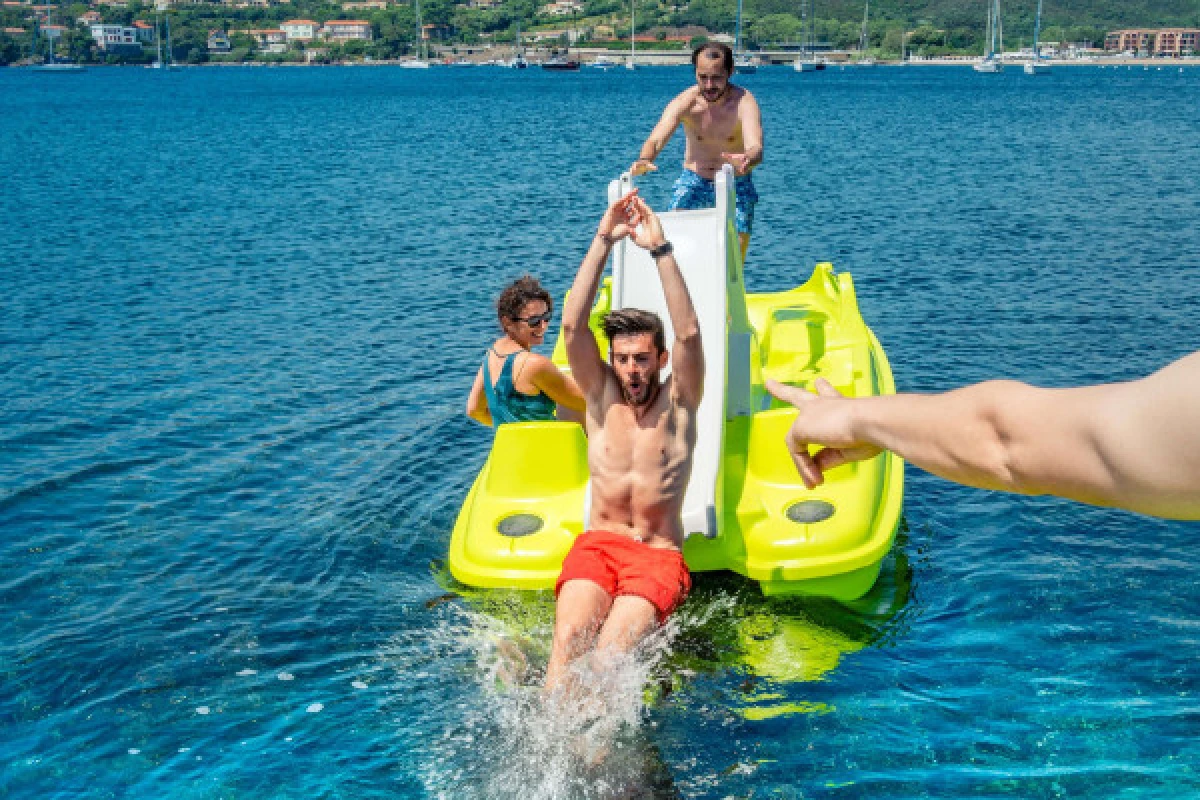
(621, 565)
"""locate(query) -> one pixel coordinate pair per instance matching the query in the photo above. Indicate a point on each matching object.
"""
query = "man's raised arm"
(583, 354)
(688, 355)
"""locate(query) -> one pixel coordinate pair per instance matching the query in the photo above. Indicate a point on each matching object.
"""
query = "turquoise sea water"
(240, 312)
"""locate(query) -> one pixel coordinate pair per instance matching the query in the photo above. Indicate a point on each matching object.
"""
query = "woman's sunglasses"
(533, 322)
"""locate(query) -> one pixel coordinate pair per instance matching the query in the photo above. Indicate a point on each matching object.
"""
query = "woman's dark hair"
(714, 47)
(632, 321)
(517, 294)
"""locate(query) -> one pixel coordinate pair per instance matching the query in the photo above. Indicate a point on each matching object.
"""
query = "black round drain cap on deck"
(519, 525)
(809, 511)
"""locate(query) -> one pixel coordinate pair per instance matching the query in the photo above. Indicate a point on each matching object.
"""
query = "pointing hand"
(824, 419)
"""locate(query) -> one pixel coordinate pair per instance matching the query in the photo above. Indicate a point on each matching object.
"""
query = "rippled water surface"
(241, 310)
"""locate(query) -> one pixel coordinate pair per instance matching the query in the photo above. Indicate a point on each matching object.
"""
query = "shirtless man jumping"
(723, 125)
(626, 573)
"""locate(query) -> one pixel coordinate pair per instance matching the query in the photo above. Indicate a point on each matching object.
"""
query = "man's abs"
(638, 482)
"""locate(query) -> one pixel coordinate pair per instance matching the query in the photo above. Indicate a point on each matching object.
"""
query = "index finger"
(793, 395)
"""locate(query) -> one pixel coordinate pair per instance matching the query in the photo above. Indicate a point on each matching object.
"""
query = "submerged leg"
(581, 609)
(630, 620)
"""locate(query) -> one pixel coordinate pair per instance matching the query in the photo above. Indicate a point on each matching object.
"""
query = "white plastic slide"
(709, 257)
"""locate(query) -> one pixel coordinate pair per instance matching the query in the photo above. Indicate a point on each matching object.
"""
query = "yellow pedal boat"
(746, 509)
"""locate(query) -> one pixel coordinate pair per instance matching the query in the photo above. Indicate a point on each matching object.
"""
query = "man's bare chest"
(626, 444)
(713, 125)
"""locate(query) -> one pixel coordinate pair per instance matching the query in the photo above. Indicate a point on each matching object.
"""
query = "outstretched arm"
(583, 354)
(1130, 445)
(661, 134)
(688, 355)
(752, 137)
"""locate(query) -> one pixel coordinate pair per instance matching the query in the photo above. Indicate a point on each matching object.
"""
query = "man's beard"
(650, 386)
(714, 98)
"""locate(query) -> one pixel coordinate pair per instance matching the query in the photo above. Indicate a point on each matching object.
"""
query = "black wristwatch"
(662, 250)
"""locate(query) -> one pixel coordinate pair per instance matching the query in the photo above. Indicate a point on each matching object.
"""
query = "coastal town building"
(300, 30)
(145, 31)
(218, 42)
(562, 8)
(345, 30)
(116, 39)
(1154, 41)
(1177, 42)
(269, 40)
(365, 5)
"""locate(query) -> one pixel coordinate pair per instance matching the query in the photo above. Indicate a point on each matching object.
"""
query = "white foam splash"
(517, 741)
(203, 710)
(358, 684)
(286, 676)
(315, 708)
(242, 673)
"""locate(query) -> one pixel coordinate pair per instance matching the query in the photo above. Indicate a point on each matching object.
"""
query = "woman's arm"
(477, 407)
(558, 386)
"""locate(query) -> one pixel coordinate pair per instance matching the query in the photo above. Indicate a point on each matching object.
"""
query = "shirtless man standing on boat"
(626, 573)
(723, 126)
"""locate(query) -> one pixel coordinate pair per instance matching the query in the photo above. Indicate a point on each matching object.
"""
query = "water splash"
(512, 739)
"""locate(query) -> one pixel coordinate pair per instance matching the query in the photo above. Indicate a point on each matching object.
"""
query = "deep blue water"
(240, 313)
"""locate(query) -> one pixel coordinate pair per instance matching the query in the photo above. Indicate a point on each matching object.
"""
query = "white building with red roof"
(300, 30)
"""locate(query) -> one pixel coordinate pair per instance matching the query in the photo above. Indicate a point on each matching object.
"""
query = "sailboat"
(158, 60)
(864, 60)
(809, 61)
(418, 62)
(52, 62)
(990, 63)
(632, 62)
(741, 62)
(1037, 66)
(163, 60)
(518, 60)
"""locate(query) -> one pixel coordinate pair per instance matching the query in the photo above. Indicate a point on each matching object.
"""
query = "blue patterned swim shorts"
(692, 192)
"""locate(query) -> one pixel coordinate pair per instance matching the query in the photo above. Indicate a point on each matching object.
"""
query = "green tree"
(10, 49)
(774, 29)
(78, 44)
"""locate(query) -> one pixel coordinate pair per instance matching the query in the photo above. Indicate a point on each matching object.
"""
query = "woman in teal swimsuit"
(515, 384)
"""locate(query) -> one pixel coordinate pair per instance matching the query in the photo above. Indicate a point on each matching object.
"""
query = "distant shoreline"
(678, 60)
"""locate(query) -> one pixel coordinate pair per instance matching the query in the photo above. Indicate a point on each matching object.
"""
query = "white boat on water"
(632, 62)
(604, 62)
(863, 40)
(417, 61)
(163, 60)
(1037, 66)
(990, 63)
(52, 62)
(742, 63)
(518, 60)
(808, 61)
